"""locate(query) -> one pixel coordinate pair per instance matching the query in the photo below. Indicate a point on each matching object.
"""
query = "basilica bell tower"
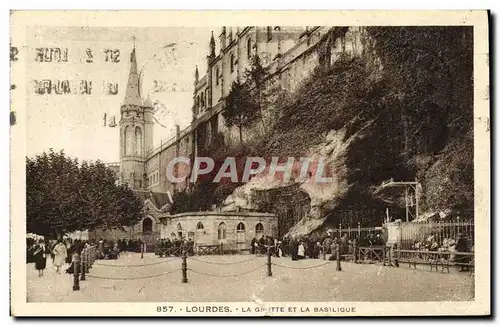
(136, 131)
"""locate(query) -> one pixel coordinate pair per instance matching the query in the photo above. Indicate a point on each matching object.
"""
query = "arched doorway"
(179, 230)
(147, 236)
(147, 225)
(259, 231)
(200, 230)
(221, 231)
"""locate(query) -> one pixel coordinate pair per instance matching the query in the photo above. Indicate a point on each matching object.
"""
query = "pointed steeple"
(212, 45)
(132, 93)
(222, 38)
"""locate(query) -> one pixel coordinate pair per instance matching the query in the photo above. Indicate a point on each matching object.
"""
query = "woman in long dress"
(40, 257)
(60, 253)
(301, 251)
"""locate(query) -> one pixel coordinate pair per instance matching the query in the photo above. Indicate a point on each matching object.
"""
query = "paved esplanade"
(245, 281)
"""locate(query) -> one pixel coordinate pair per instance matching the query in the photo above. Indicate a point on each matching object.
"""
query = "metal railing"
(435, 236)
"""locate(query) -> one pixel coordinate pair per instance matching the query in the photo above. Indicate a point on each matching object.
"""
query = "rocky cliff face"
(410, 120)
(323, 196)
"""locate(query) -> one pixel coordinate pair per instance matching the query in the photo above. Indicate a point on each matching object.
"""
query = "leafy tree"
(262, 87)
(63, 196)
(240, 110)
(429, 71)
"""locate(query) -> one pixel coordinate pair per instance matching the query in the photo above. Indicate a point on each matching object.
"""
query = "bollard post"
(354, 252)
(91, 252)
(269, 271)
(92, 256)
(142, 251)
(76, 278)
(83, 266)
(339, 268)
(87, 260)
(184, 267)
(395, 252)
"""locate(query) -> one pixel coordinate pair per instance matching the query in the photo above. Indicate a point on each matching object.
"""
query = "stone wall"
(188, 225)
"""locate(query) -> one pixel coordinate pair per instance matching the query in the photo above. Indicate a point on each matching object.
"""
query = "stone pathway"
(217, 278)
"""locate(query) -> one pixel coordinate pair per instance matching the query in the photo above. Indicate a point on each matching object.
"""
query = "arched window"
(138, 141)
(179, 226)
(259, 231)
(217, 76)
(147, 225)
(222, 231)
(249, 48)
(172, 235)
(232, 62)
(129, 140)
(240, 227)
(199, 226)
(206, 97)
(202, 100)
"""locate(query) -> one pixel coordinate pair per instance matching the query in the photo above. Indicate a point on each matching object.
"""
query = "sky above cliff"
(75, 123)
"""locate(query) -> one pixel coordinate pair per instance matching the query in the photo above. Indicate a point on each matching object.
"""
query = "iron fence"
(436, 236)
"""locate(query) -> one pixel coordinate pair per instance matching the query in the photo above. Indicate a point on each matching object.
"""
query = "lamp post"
(414, 185)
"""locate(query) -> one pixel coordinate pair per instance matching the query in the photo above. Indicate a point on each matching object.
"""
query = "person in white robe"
(60, 252)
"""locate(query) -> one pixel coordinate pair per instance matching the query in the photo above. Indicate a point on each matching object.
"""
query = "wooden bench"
(435, 259)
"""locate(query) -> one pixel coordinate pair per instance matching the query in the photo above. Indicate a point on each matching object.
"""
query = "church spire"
(212, 45)
(132, 93)
(196, 75)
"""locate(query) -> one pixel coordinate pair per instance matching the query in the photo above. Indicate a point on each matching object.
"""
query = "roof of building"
(159, 199)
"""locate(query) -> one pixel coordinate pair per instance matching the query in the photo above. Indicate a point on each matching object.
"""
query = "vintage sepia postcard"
(250, 163)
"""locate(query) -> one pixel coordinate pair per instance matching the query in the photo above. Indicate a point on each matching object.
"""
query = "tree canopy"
(240, 110)
(63, 196)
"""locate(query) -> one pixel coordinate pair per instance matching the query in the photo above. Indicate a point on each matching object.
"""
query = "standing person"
(462, 246)
(69, 253)
(301, 251)
(252, 244)
(100, 247)
(51, 244)
(294, 248)
(344, 244)
(262, 245)
(327, 246)
(40, 257)
(60, 253)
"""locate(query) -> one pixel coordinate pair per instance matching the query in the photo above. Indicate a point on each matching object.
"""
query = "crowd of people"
(167, 247)
(309, 246)
(449, 245)
(61, 251)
